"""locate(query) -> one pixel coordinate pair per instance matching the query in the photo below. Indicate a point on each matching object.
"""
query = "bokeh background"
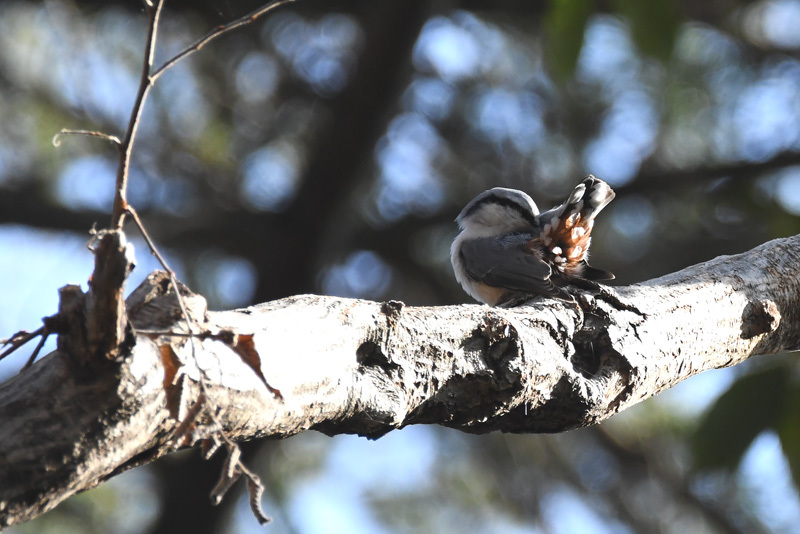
(327, 149)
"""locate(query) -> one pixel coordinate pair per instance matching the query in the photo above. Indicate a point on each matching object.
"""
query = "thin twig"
(87, 133)
(184, 427)
(18, 340)
(164, 333)
(216, 32)
(35, 352)
(234, 468)
(122, 208)
(145, 83)
(154, 251)
(148, 78)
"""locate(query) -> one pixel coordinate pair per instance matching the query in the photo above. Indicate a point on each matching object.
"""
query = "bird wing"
(505, 262)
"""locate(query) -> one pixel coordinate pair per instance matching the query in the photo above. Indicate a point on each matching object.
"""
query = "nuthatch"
(507, 250)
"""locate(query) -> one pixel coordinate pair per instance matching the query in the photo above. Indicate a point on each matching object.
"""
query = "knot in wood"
(503, 340)
(496, 328)
(370, 354)
(392, 308)
(760, 317)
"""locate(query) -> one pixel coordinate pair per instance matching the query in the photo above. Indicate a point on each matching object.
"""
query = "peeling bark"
(350, 366)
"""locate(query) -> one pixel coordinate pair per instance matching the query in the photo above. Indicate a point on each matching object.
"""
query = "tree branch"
(213, 34)
(372, 367)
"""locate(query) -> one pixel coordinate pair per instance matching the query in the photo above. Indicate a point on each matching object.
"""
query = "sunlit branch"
(86, 133)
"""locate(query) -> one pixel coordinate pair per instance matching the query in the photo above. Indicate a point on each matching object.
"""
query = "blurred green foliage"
(754, 403)
(565, 25)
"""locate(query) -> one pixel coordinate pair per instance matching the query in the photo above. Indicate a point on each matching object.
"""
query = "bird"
(507, 252)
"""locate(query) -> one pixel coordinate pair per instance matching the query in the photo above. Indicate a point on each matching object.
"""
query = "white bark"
(350, 366)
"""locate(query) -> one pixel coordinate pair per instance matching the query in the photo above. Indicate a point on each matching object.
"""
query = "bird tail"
(565, 231)
(588, 199)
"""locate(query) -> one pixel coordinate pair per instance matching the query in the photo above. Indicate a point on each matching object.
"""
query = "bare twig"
(45, 335)
(234, 468)
(216, 32)
(87, 133)
(148, 78)
(18, 340)
(165, 333)
(145, 83)
(180, 435)
(154, 251)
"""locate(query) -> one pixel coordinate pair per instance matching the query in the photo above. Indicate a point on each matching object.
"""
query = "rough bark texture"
(349, 366)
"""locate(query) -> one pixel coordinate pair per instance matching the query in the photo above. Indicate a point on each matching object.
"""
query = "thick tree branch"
(350, 366)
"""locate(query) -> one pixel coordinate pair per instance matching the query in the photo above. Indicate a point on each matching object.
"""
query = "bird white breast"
(458, 267)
